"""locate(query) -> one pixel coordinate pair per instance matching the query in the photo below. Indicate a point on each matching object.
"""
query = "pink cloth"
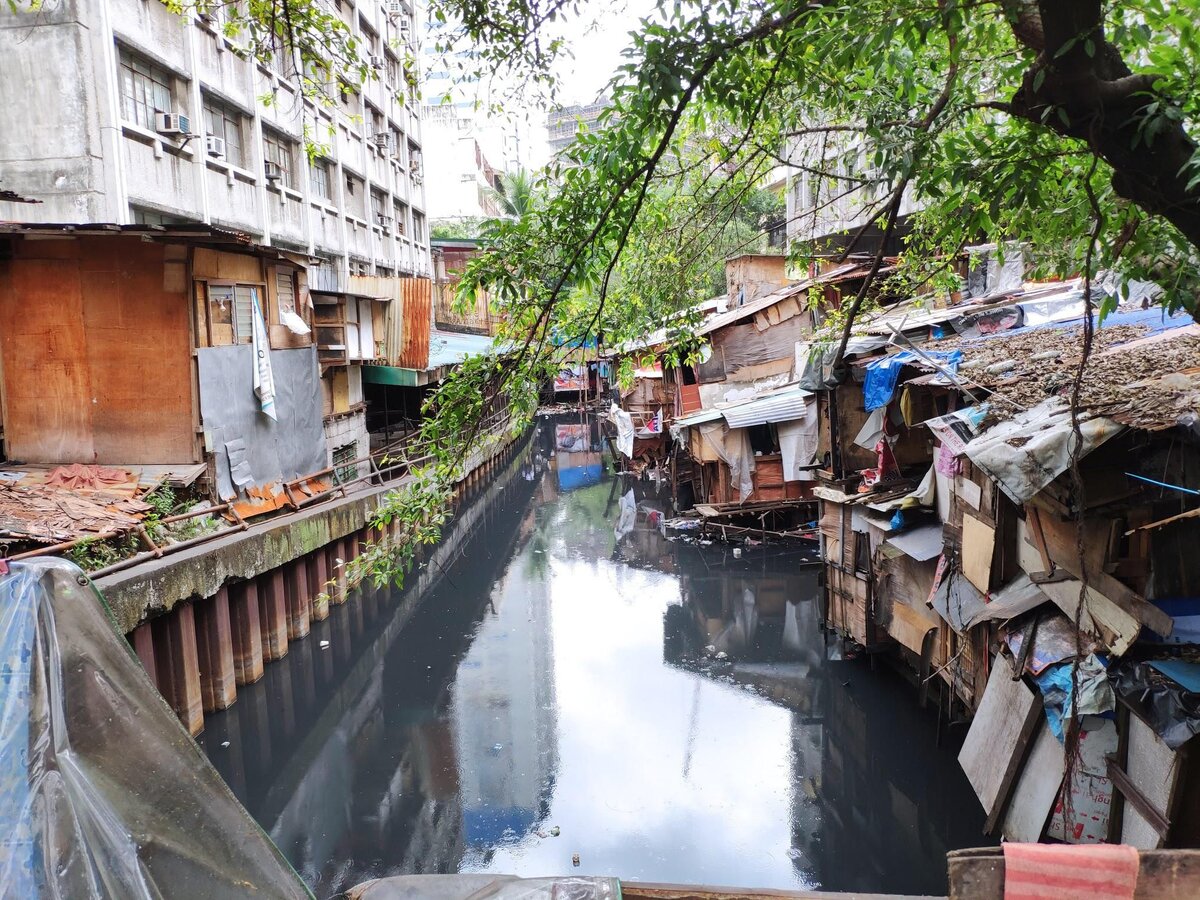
(1070, 871)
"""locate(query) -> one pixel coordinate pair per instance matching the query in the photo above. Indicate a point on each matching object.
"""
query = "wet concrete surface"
(579, 684)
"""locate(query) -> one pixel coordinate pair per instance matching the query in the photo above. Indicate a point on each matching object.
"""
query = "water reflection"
(578, 684)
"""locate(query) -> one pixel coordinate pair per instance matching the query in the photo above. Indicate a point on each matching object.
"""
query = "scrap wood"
(1150, 526)
(54, 515)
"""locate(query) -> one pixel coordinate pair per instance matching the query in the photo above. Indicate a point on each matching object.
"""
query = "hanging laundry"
(264, 380)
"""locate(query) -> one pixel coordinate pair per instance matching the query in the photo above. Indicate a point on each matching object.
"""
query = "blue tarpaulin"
(883, 373)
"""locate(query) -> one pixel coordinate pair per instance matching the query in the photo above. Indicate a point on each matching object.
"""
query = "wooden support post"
(178, 667)
(214, 648)
(142, 639)
(296, 584)
(247, 635)
(318, 573)
(272, 614)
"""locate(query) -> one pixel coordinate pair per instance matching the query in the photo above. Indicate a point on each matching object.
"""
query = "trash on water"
(324, 645)
(224, 743)
(574, 859)
(737, 552)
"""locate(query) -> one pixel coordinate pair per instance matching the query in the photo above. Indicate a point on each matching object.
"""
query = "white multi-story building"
(832, 193)
(474, 132)
(123, 111)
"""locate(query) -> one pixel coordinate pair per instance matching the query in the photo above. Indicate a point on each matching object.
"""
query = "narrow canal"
(576, 684)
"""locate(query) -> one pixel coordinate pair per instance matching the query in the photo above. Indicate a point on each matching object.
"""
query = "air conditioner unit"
(395, 8)
(172, 123)
(382, 140)
(384, 219)
(406, 30)
(378, 63)
(215, 146)
(273, 170)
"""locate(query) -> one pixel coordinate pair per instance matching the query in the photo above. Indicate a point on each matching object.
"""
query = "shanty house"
(960, 515)
(182, 349)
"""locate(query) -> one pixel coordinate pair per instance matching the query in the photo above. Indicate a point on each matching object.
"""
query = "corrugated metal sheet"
(414, 321)
(786, 405)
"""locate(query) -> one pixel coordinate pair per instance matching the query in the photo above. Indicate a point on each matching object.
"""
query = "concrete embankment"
(208, 618)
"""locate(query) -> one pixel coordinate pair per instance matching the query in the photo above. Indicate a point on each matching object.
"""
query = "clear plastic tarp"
(486, 887)
(104, 794)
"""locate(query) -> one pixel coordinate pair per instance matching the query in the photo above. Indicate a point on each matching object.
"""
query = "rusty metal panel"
(417, 321)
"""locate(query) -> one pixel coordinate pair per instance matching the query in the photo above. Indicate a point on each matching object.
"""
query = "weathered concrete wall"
(157, 586)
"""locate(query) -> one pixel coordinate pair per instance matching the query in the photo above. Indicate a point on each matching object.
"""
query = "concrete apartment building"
(565, 122)
(121, 111)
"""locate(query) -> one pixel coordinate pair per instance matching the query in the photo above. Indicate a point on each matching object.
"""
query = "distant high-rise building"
(471, 137)
(564, 123)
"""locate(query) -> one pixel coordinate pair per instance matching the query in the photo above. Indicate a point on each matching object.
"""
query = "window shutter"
(243, 315)
(286, 290)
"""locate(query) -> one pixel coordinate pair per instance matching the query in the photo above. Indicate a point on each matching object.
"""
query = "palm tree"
(514, 193)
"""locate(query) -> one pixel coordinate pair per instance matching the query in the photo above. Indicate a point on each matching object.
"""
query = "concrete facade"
(84, 138)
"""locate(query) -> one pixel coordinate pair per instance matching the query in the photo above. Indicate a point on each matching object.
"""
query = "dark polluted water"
(575, 683)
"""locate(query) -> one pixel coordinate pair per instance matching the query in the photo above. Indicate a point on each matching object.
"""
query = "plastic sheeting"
(624, 423)
(1167, 706)
(105, 795)
(1030, 450)
(486, 887)
(883, 374)
(251, 449)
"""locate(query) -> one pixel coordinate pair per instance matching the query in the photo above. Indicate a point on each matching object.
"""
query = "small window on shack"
(343, 462)
(232, 305)
(764, 439)
(285, 288)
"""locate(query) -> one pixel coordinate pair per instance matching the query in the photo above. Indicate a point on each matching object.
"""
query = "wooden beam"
(978, 874)
(1135, 798)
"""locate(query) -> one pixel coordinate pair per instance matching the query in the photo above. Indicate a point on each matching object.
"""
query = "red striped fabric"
(1069, 872)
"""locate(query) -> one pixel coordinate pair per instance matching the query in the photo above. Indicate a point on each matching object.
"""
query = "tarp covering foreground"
(103, 793)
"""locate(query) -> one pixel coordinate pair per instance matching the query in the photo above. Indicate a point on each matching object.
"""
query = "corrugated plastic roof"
(449, 348)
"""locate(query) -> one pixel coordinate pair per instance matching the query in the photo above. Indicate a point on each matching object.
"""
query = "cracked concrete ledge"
(156, 586)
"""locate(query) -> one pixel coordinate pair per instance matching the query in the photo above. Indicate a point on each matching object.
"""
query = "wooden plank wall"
(97, 352)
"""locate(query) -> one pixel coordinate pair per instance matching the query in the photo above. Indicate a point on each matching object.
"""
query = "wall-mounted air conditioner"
(273, 170)
(382, 140)
(384, 219)
(395, 8)
(215, 146)
(172, 123)
(378, 63)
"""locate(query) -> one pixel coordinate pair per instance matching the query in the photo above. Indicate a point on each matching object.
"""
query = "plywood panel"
(1153, 767)
(1033, 796)
(1003, 725)
(978, 543)
(48, 410)
(139, 352)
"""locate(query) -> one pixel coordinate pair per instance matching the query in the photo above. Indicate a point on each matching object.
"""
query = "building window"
(226, 123)
(233, 305)
(278, 150)
(150, 217)
(343, 462)
(418, 227)
(318, 176)
(285, 291)
(393, 71)
(145, 90)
